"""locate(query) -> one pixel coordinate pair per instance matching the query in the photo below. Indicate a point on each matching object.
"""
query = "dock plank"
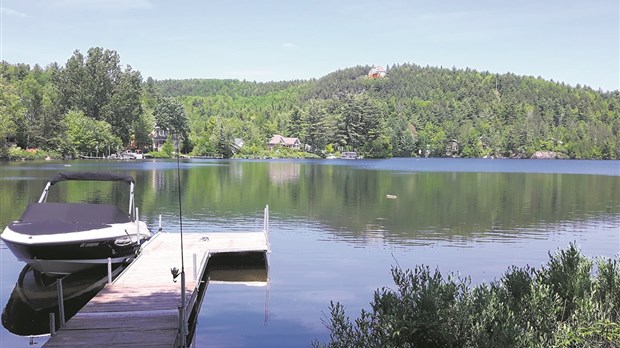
(140, 307)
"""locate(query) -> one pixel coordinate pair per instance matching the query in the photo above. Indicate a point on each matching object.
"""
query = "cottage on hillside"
(376, 72)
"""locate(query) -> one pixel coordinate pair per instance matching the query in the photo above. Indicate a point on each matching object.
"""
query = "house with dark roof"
(160, 135)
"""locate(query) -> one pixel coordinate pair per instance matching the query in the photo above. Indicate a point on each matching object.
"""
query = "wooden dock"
(141, 306)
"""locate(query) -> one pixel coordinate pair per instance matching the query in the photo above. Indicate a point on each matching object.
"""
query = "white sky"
(577, 42)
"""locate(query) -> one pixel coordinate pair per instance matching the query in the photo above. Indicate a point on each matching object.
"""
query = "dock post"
(61, 302)
(132, 206)
(52, 324)
(137, 224)
(109, 269)
(195, 268)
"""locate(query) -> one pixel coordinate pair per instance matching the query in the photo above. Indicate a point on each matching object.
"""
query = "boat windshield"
(80, 217)
(91, 176)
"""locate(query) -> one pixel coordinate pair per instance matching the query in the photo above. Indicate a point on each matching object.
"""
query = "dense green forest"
(93, 105)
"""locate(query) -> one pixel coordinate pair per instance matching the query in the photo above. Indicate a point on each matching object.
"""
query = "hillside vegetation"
(413, 111)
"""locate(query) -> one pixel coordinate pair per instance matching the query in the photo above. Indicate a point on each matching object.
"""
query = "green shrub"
(254, 152)
(160, 154)
(564, 304)
(17, 153)
(601, 333)
(568, 275)
(606, 287)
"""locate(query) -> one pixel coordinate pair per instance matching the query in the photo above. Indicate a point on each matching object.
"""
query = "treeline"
(231, 88)
(92, 104)
(413, 111)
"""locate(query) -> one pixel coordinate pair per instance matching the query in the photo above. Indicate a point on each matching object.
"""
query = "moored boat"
(63, 238)
(349, 155)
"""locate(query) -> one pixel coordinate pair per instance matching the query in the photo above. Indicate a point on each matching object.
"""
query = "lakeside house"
(237, 144)
(452, 148)
(278, 140)
(160, 135)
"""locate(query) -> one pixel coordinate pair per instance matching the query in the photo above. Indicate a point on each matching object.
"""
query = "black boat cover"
(91, 176)
(52, 218)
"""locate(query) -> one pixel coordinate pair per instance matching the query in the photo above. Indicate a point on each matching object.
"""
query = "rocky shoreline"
(548, 155)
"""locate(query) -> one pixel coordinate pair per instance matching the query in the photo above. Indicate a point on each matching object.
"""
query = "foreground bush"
(259, 152)
(569, 302)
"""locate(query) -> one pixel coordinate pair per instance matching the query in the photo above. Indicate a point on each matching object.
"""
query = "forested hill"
(93, 103)
(415, 111)
(211, 87)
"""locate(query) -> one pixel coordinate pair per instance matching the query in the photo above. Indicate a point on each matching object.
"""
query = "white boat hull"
(64, 238)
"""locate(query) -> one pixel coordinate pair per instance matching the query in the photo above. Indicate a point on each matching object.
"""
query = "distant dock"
(141, 307)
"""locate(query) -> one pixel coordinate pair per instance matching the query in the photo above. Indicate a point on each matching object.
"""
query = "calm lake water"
(335, 232)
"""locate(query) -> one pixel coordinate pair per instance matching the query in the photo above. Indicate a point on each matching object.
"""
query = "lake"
(338, 226)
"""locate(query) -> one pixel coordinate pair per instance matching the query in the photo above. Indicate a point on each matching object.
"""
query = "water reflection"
(284, 172)
(35, 296)
(249, 268)
(335, 234)
(356, 200)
